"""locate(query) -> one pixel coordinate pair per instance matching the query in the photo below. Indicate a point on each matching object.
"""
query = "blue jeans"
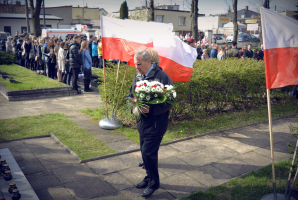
(68, 78)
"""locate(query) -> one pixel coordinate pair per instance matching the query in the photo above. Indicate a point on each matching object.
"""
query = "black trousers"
(94, 61)
(51, 69)
(149, 149)
(75, 73)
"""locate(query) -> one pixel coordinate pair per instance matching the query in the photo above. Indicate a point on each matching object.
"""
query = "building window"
(182, 21)
(7, 29)
(159, 18)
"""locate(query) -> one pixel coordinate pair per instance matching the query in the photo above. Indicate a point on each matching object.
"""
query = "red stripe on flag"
(281, 67)
(121, 49)
(176, 71)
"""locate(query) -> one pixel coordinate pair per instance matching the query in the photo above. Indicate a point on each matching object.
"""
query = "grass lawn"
(252, 186)
(27, 79)
(186, 128)
(76, 138)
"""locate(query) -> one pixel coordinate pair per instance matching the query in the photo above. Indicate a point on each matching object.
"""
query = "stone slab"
(219, 152)
(107, 138)
(208, 140)
(123, 145)
(181, 185)
(54, 193)
(118, 181)
(113, 196)
(197, 159)
(209, 175)
(253, 158)
(240, 147)
(187, 146)
(167, 151)
(107, 165)
(37, 180)
(173, 165)
(135, 194)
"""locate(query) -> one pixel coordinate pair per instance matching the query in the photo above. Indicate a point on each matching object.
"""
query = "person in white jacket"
(9, 45)
(61, 63)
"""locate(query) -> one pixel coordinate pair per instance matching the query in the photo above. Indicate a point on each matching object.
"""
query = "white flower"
(153, 89)
(142, 95)
(147, 90)
(158, 89)
(174, 94)
(142, 88)
(169, 87)
(147, 98)
(137, 90)
(155, 95)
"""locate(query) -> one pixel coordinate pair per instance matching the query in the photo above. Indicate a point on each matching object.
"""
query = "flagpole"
(271, 142)
(116, 86)
(290, 174)
(121, 88)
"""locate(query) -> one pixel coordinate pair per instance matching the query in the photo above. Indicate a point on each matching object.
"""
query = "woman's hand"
(144, 109)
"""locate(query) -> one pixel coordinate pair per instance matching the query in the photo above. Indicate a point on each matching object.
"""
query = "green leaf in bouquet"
(158, 100)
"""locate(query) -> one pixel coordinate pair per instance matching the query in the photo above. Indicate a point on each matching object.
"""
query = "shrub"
(214, 86)
(6, 58)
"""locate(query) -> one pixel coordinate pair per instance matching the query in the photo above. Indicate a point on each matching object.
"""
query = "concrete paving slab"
(58, 160)
(107, 138)
(234, 167)
(112, 196)
(136, 174)
(123, 145)
(31, 166)
(254, 158)
(281, 151)
(132, 159)
(209, 175)
(73, 172)
(167, 151)
(173, 165)
(37, 180)
(118, 181)
(219, 152)
(181, 185)
(54, 193)
(208, 140)
(248, 131)
(187, 146)
(89, 188)
(240, 147)
(135, 194)
(107, 165)
(197, 159)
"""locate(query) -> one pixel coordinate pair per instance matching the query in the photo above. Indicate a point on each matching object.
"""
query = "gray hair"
(145, 54)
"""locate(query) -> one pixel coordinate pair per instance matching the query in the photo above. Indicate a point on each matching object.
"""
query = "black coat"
(156, 121)
(261, 54)
(248, 54)
(75, 60)
(199, 52)
(27, 49)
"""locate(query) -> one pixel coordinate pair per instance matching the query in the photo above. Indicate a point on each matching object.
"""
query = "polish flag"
(121, 38)
(280, 39)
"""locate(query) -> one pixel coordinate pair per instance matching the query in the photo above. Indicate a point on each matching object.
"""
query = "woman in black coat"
(50, 59)
(257, 55)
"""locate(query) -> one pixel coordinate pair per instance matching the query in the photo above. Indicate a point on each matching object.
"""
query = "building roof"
(164, 10)
(244, 13)
(23, 16)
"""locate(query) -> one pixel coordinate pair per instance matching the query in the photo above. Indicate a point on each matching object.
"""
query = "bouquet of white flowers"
(152, 92)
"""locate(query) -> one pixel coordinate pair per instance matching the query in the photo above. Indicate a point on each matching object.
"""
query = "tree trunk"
(194, 19)
(151, 12)
(27, 18)
(35, 12)
(235, 35)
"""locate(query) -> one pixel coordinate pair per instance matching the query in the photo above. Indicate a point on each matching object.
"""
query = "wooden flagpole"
(290, 174)
(271, 142)
(121, 88)
(104, 80)
(116, 87)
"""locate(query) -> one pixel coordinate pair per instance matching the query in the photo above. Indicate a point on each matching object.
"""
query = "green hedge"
(214, 86)
(6, 58)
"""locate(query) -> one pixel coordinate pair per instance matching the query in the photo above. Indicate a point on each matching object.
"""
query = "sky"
(205, 6)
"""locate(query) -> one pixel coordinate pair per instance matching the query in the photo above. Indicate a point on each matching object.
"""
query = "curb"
(26, 138)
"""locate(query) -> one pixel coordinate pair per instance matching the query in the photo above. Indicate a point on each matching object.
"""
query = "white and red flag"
(121, 38)
(280, 39)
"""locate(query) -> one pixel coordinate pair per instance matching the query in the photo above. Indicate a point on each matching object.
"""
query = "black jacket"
(261, 54)
(200, 52)
(75, 60)
(248, 54)
(156, 121)
(47, 57)
(27, 49)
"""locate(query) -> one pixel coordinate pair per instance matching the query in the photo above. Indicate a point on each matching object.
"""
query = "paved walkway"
(184, 167)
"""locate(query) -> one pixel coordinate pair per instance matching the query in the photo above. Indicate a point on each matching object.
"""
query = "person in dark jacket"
(248, 53)
(19, 50)
(256, 55)
(153, 125)
(261, 52)
(90, 44)
(199, 52)
(75, 61)
(27, 47)
(50, 59)
(32, 56)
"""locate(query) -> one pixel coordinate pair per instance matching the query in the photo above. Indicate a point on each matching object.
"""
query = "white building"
(211, 22)
(10, 23)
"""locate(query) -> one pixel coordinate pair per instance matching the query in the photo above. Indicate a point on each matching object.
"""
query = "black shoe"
(141, 164)
(142, 184)
(148, 191)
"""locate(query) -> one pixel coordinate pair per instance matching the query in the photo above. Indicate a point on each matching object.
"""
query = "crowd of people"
(57, 58)
(223, 52)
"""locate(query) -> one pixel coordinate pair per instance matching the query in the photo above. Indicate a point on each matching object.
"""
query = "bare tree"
(235, 35)
(194, 18)
(12, 6)
(151, 11)
(35, 12)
